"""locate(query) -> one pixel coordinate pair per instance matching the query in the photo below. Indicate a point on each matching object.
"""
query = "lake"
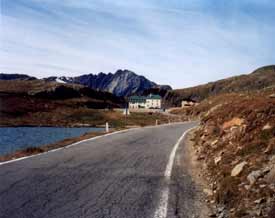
(14, 138)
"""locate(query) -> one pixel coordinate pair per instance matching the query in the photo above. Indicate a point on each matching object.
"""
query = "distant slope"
(15, 76)
(259, 79)
(41, 103)
(121, 83)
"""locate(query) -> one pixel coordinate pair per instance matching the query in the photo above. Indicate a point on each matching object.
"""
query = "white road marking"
(162, 208)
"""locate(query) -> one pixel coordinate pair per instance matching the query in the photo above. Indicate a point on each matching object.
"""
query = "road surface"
(117, 176)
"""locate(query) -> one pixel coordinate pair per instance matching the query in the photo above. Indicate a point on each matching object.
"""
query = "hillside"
(122, 83)
(41, 103)
(235, 148)
(259, 79)
(15, 76)
(236, 145)
(37, 102)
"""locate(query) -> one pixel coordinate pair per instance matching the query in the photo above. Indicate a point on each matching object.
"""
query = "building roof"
(155, 97)
(137, 99)
(142, 99)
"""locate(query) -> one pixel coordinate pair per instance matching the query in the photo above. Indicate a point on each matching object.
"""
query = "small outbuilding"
(186, 103)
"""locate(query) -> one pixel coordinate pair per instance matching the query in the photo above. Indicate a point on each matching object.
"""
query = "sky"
(177, 42)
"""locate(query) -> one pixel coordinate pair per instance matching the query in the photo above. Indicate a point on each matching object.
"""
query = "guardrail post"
(107, 127)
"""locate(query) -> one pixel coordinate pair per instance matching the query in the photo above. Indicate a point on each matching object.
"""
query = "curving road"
(117, 176)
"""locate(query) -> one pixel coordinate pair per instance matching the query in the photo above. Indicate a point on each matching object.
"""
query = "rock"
(233, 122)
(270, 176)
(259, 212)
(232, 210)
(238, 169)
(253, 176)
(217, 159)
(266, 170)
(201, 157)
(247, 187)
(214, 142)
(212, 215)
(272, 96)
(220, 209)
(260, 201)
(270, 147)
(266, 127)
(208, 192)
(222, 215)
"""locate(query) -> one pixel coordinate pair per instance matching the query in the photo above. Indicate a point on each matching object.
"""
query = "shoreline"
(54, 126)
(29, 151)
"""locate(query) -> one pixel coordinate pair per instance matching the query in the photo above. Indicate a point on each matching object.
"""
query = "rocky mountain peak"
(122, 83)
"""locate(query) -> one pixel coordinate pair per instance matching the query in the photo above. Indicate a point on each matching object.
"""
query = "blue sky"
(177, 42)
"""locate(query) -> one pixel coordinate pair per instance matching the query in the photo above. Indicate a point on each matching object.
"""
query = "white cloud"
(182, 43)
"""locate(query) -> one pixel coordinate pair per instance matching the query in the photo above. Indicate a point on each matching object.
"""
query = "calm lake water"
(14, 138)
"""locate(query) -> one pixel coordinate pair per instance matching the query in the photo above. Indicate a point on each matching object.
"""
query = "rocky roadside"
(235, 146)
(226, 198)
(191, 167)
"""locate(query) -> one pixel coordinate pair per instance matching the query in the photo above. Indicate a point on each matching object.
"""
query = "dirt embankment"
(235, 146)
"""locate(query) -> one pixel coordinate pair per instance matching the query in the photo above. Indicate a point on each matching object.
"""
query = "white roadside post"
(107, 127)
(156, 122)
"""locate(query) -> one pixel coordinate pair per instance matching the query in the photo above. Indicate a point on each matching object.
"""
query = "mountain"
(261, 78)
(15, 76)
(121, 83)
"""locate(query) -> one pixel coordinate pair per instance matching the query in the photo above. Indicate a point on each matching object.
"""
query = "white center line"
(162, 208)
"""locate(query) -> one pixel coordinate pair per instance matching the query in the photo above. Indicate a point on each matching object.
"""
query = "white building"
(149, 102)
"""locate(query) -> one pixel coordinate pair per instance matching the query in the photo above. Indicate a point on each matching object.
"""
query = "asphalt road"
(118, 176)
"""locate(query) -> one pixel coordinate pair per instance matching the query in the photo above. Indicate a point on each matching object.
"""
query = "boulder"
(233, 122)
(267, 126)
(253, 176)
(238, 169)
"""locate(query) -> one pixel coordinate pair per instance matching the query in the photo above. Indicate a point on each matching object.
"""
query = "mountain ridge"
(122, 83)
(259, 79)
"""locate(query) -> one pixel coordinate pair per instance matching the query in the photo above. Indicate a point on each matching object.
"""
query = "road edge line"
(161, 211)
